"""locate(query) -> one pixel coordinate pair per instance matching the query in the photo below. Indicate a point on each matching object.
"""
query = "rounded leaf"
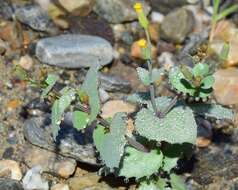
(200, 69)
(208, 82)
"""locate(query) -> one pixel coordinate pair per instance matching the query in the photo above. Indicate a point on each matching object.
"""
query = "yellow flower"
(142, 43)
(138, 7)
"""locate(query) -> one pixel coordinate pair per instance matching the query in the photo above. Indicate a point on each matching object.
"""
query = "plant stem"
(149, 63)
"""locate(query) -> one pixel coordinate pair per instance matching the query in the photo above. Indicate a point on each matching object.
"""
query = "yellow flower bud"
(142, 43)
(138, 7)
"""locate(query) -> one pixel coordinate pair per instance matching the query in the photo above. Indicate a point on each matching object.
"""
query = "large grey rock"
(35, 17)
(177, 25)
(10, 184)
(74, 51)
(69, 143)
(115, 11)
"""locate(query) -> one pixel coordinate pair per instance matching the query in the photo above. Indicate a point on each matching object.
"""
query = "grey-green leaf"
(59, 107)
(178, 126)
(98, 136)
(213, 111)
(153, 185)
(140, 164)
(177, 183)
(80, 120)
(112, 148)
(90, 86)
(50, 80)
(143, 75)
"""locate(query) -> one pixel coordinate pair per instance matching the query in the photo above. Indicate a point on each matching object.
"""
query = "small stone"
(137, 53)
(177, 25)
(33, 180)
(157, 17)
(226, 86)
(154, 32)
(9, 184)
(78, 7)
(203, 142)
(74, 51)
(36, 18)
(110, 108)
(26, 62)
(13, 104)
(10, 168)
(167, 60)
(50, 161)
(115, 11)
(60, 186)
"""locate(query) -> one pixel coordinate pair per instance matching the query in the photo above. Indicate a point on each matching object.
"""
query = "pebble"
(110, 108)
(74, 51)
(10, 184)
(167, 60)
(137, 53)
(60, 186)
(26, 62)
(10, 168)
(70, 142)
(33, 180)
(226, 85)
(88, 182)
(114, 83)
(104, 96)
(177, 25)
(35, 17)
(115, 11)
(157, 17)
(78, 7)
(49, 161)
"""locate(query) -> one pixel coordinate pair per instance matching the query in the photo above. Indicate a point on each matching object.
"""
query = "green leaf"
(179, 82)
(139, 98)
(208, 82)
(169, 163)
(50, 80)
(227, 12)
(90, 86)
(200, 69)
(99, 136)
(213, 111)
(59, 108)
(144, 75)
(177, 183)
(143, 20)
(225, 51)
(112, 148)
(140, 164)
(178, 126)
(80, 120)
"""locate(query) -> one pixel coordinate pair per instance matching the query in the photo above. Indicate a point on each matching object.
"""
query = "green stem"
(152, 87)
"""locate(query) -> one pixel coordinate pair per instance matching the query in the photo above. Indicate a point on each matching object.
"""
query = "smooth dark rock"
(69, 142)
(35, 17)
(115, 11)
(113, 83)
(92, 24)
(74, 51)
(10, 184)
(165, 6)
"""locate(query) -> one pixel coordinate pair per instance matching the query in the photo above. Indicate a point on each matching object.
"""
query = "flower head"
(142, 43)
(138, 7)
